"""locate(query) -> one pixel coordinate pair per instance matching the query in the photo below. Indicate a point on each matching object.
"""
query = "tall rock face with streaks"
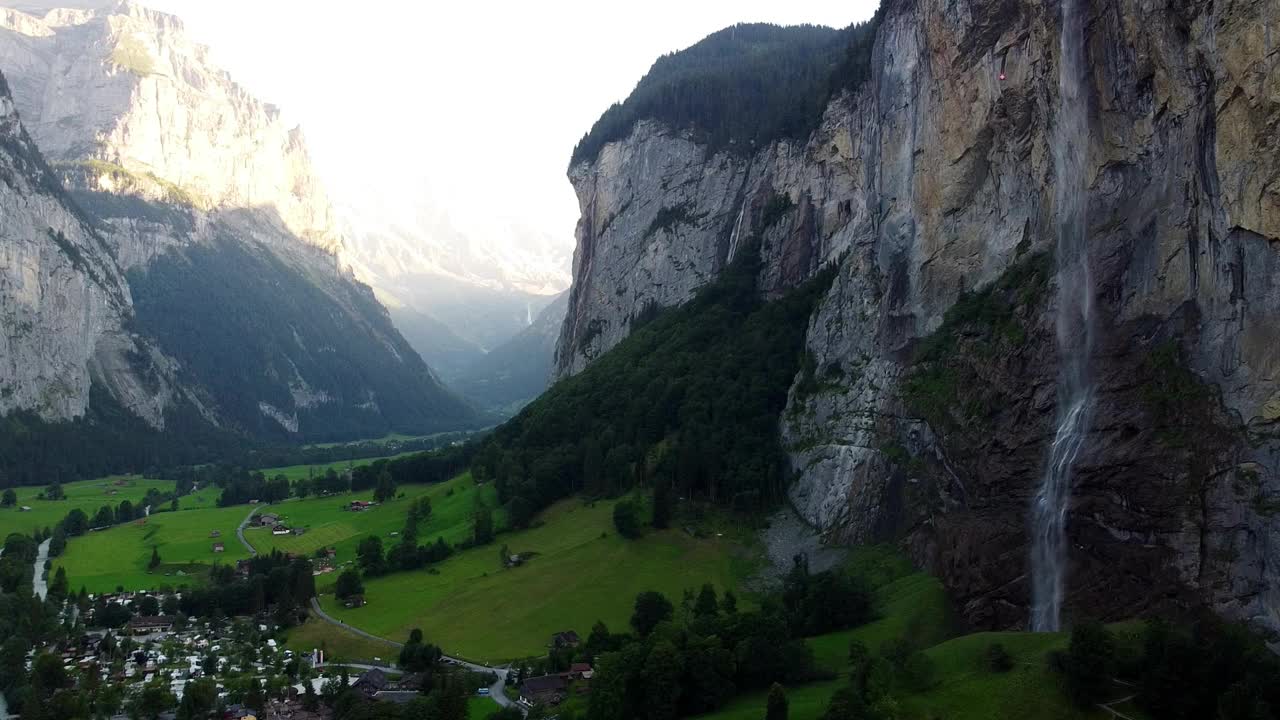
(927, 400)
(220, 234)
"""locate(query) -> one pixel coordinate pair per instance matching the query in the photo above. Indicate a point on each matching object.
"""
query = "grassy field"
(118, 556)
(329, 524)
(583, 572)
(339, 645)
(302, 472)
(88, 495)
(915, 606)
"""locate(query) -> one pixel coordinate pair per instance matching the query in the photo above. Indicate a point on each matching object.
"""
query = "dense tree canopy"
(743, 87)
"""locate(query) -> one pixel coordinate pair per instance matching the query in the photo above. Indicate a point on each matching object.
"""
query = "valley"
(921, 366)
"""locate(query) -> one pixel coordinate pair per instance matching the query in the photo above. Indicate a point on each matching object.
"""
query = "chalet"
(147, 624)
(400, 697)
(268, 519)
(544, 690)
(580, 671)
(219, 547)
(566, 639)
(359, 505)
(279, 530)
(298, 531)
(371, 682)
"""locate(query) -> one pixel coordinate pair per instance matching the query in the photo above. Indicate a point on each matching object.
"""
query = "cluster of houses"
(360, 505)
(555, 688)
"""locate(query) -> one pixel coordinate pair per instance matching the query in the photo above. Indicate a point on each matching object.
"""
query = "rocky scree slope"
(211, 209)
(927, 399)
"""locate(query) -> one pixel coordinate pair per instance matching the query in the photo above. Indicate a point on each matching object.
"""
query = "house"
(371, 682)
(399, 697)
(215, 533)
(359, 505)
(544, 690)
(147, 624)
(298, 531)
(279, 530)
(580, 671)
(354, 601)
(268, 519)
(219, 547)
(565, 639)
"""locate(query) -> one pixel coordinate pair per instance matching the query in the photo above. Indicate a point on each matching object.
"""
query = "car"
(483, 692)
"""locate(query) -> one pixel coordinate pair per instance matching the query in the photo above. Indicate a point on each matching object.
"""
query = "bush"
(1089, 664)
(626, 519)
(998, 658)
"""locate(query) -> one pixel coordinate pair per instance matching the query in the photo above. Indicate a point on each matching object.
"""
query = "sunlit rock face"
(935, 181)
(219, 247)
(126, 86)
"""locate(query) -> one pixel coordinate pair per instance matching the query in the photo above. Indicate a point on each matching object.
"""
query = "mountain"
(518, 370)
(945, 155)
(484, 282)
(205, 207)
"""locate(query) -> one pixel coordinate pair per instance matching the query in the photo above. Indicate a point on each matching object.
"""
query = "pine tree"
(776, 707)
(155, 559)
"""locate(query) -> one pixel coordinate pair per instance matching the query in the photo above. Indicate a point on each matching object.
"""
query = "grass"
(302, 472)
(118, 556)
(583, 572)
(329, 524)
(479, 708)
(88, 495)
(338, 644)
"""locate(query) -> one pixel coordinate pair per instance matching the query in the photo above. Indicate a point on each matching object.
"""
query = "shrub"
(998, 658)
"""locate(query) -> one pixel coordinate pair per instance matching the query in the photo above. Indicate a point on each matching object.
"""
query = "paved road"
(240, 529)
(497, 690)
(38, 582)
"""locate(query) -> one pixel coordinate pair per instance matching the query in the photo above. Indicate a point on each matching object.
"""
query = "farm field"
(88, 495)
(302, 472)
(339, 645)
(329, 524)
(582, 572)
(118, 556)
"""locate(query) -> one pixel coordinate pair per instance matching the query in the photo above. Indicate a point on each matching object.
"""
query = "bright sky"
(473, 106)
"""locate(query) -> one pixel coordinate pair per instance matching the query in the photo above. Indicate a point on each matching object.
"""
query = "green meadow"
(328, 522)
(339, 645)
(914, 605)
(581, 571)
(303, 472)
(88, 495)
(118, 556)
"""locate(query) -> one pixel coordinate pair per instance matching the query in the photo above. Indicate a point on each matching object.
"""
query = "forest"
(744, 86)
(688, 404)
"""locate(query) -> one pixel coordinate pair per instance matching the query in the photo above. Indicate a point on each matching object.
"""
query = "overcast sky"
(474, 106)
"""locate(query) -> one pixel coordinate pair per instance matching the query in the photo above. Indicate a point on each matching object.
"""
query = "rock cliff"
(220, 241)
(927, 402)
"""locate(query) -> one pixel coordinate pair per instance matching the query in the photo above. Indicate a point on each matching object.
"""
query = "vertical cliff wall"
(930, 392)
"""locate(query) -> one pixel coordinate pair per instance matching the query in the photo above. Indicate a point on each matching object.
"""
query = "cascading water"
(1074, 327)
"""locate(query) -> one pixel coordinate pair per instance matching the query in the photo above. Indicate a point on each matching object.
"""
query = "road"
(38, 582)
(240, 530)
(497, 690)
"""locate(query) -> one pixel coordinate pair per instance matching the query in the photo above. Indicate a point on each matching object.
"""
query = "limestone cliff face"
(206, 203)
(935, 179)
(63, 298)
(126, 86)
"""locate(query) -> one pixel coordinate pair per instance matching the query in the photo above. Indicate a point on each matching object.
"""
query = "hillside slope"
(927, 405)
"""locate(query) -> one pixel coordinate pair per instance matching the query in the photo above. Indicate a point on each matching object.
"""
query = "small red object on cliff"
(1001, 76)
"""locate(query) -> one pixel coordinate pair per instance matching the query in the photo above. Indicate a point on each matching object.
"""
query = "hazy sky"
(475, 106)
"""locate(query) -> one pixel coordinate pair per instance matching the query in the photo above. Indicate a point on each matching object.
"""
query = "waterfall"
(1074, 326)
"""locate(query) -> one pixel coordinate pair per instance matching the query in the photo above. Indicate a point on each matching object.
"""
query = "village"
(256, 678)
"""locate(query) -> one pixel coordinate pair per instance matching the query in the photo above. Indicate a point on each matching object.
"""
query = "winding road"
(497, 690)
(240, 530)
